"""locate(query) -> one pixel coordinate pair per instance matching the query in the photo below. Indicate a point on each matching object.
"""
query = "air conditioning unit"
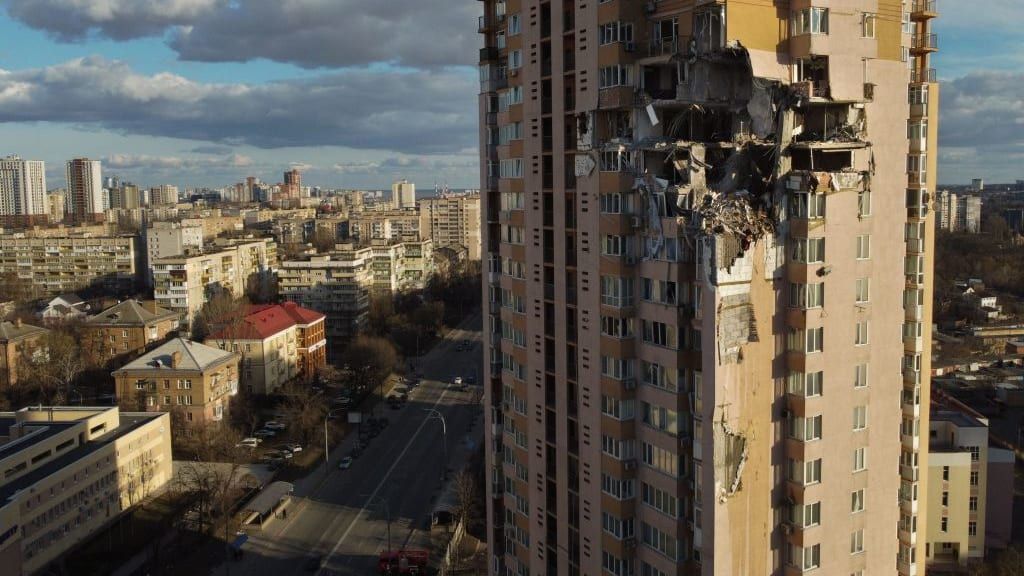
(629, 46)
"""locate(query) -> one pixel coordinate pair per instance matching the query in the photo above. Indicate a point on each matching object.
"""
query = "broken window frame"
(709, 28)
(660, 418)
(618, 160)
(864, 203)
(857, 501)
(615, 76)
(660, 334)
(868, 24)
(616, 327)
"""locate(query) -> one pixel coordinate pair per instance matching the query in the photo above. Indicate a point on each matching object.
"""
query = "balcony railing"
(924, 9)
(919, 76)
(925, 42)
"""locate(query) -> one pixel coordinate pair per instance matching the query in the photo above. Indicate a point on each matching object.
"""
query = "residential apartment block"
(182, 377)
(403, 195)
(126, 330)
(165, 239)
(59, 264)
(185, 283)
(19, 342)
(707, 253)
(452, 221)
(68, 473)
(391, 225)
(22, 187)
(278, 343)
(963, 509)
(83, 200)
(958, 212)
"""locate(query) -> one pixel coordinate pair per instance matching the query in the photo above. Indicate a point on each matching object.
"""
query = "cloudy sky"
(357, 93)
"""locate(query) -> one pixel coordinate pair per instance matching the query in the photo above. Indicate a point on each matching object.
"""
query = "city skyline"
(189, 88)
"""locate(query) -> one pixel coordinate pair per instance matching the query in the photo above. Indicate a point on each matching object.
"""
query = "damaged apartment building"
(708, 268)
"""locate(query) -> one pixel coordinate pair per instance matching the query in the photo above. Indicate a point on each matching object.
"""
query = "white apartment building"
(22, 186)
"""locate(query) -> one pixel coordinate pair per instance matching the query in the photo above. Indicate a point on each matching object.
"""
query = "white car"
(248, 443)
(275, 425)
(457, 381)
(345, 463)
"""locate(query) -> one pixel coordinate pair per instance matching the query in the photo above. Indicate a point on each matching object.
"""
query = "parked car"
(292, 447)
(275, 425)
(248, 443)
(264, 433)
(457, 381)
(286, 454)
(345, 463)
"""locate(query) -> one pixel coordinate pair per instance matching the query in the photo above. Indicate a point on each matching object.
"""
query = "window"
(860, 418)
(867, 25)
(972, 528)
(945, 473)
(810, 21)
(975, 453)
(616, 291)
(509, 132)
(659, 291)
(945, 498)
(661, 418)
(660, 459)
(944, 524)
(918, 94)
(917, 129)
(617, 408)
(515, 59)
(616, 161)
(610, 563)
(805, 558)
(620, 449)
(974, 478)
(611, 203)
(613, 245)
(861, 337)
(864, 203)
(860, 459)
(860, 378)
(809, 250)
(660, 334)
(616, 487)
(613, 32)
(863, 290)
(804, 473)
(658, 376)
(617, 327)
(808, 206)
(659, 541)
(972, 504)
(511, 168)
(618, 75)
(618, 527)
(514, 24)
(805, 515)
(806, 341)
(805, 428)
(617, 368)
(660, 500)
(857, 542)
(863, 247)
(805, 384)
(857, 501)
(807, 296)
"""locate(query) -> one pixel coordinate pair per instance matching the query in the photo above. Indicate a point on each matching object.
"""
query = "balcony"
(910, 473)
(913, 313)
(907, 536)
(924, 10)
(488, 54)
(915, 246)
(911, 441)
(922, 76)
(922, 44)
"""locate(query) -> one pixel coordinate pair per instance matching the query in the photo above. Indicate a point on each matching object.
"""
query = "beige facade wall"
(266, 365)
(200, 396)
(452, 221)
(57, 265)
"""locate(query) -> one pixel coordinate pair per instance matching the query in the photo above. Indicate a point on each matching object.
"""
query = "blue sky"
(354, 92)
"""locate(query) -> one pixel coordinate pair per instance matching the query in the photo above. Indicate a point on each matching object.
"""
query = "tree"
(304, 411)
(222, 313)
(382, 308)
(323, 240)
(371, 359)
(54, 367)
(1009, 562)
(466, 496)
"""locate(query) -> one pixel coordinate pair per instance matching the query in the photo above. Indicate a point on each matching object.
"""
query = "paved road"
(340, 515)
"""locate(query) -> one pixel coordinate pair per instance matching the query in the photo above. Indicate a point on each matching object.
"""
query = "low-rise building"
(962, 510)
(68, 473)
(56, 265)
(278, 343)
(127, 329)
(18, 341)
(185, 283)
(181, 377)
(64, 308)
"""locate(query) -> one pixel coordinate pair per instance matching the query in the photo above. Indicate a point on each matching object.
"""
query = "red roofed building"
(277, 342)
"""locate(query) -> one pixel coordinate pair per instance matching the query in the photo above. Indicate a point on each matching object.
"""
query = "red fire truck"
(403, 562)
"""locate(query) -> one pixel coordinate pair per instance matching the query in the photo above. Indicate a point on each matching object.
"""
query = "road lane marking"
(380, 485)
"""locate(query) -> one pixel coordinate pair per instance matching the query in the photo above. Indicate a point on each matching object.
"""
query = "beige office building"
(185, 283)
(452, 221)
(403, 195)
(707, 261)
(68, 473)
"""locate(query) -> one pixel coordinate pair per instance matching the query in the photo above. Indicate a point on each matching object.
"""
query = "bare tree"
(54, 366)
(371, 360)
(466, 496)
(303, 411)
(213, 479)
(222, 314)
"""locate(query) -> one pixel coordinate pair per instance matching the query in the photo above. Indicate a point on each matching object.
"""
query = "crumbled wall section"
(730, 457)
(736, 327)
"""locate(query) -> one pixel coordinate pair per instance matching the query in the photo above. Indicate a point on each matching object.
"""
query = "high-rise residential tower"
(22, 187)
(83, 200)
(708, 261)
(403, 195)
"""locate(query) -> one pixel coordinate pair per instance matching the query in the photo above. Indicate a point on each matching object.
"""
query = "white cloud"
(72, 20)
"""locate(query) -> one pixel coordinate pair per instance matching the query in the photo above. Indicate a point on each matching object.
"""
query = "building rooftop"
(266, 320)
(191, 356)
(16, 330)
(959, 418)
(131, 313)
(128, 423)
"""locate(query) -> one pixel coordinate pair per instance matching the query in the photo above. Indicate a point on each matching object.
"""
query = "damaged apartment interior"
(726, 144)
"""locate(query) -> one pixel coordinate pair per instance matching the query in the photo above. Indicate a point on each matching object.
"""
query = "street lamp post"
(327, 447)
(434, 414)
